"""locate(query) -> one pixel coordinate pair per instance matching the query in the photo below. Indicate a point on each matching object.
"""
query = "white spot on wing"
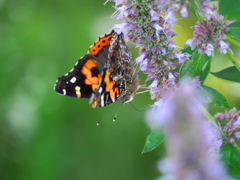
(100, 90)
(78, 93)
(64, 91)
(73, 80)
(102, 100)
(77, 88)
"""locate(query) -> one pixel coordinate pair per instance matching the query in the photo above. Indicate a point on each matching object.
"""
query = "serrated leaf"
(213, 97)
(230, 74)
(229, 8)
(234, 30)
(154, 139)
(231, 157)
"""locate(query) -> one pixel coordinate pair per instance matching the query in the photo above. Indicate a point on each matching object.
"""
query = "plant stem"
(233, 60)
(209, 116)
(233, 41)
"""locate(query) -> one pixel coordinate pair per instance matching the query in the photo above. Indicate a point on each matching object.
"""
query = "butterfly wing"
(82, 80)
(118, 77)
(100, 48)
(107, 92)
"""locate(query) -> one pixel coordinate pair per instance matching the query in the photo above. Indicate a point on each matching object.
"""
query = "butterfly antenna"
(139, 109)
(142, 92)
(99, 122)
(115, 117)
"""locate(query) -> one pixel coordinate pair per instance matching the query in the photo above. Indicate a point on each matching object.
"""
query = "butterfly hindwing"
(107, 92)
(82, 80)
(119, 79)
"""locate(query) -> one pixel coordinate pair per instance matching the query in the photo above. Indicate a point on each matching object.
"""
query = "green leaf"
(187, 69)
(213, 97)
(205, 71)
(199, 65)
(231, 157)
(187, 50)
(229, 8)
(230, 74)
(193, 6)
(234, 30)
(154, 139)
(200, 61)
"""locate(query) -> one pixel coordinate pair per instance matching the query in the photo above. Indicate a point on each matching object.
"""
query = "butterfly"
(105, 74)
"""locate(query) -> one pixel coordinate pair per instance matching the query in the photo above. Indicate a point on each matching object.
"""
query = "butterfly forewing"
(82, 79)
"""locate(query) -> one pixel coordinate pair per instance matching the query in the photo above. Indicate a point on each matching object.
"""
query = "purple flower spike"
(187, 137)
(150, 25)
(210, 34)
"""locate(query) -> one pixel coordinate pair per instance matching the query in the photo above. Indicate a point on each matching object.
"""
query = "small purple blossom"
(184, 12)
(154, 15)
(206, 49)
(222, 46)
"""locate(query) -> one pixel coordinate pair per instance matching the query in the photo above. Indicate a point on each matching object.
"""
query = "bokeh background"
(45, 136)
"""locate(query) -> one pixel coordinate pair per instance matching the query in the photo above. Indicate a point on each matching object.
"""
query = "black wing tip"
(58, 86)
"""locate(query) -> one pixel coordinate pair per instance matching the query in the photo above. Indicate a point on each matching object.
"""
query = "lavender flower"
(149, 24)
(210, 34)
(229, 123)
(188, 137)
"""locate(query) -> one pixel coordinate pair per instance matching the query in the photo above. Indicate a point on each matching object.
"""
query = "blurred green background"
(47, 136)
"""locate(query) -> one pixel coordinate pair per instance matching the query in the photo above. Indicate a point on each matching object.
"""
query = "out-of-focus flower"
(188, 137)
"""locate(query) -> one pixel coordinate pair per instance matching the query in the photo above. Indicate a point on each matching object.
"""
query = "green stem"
(209, 116)
(233, 41)
(233, 60)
